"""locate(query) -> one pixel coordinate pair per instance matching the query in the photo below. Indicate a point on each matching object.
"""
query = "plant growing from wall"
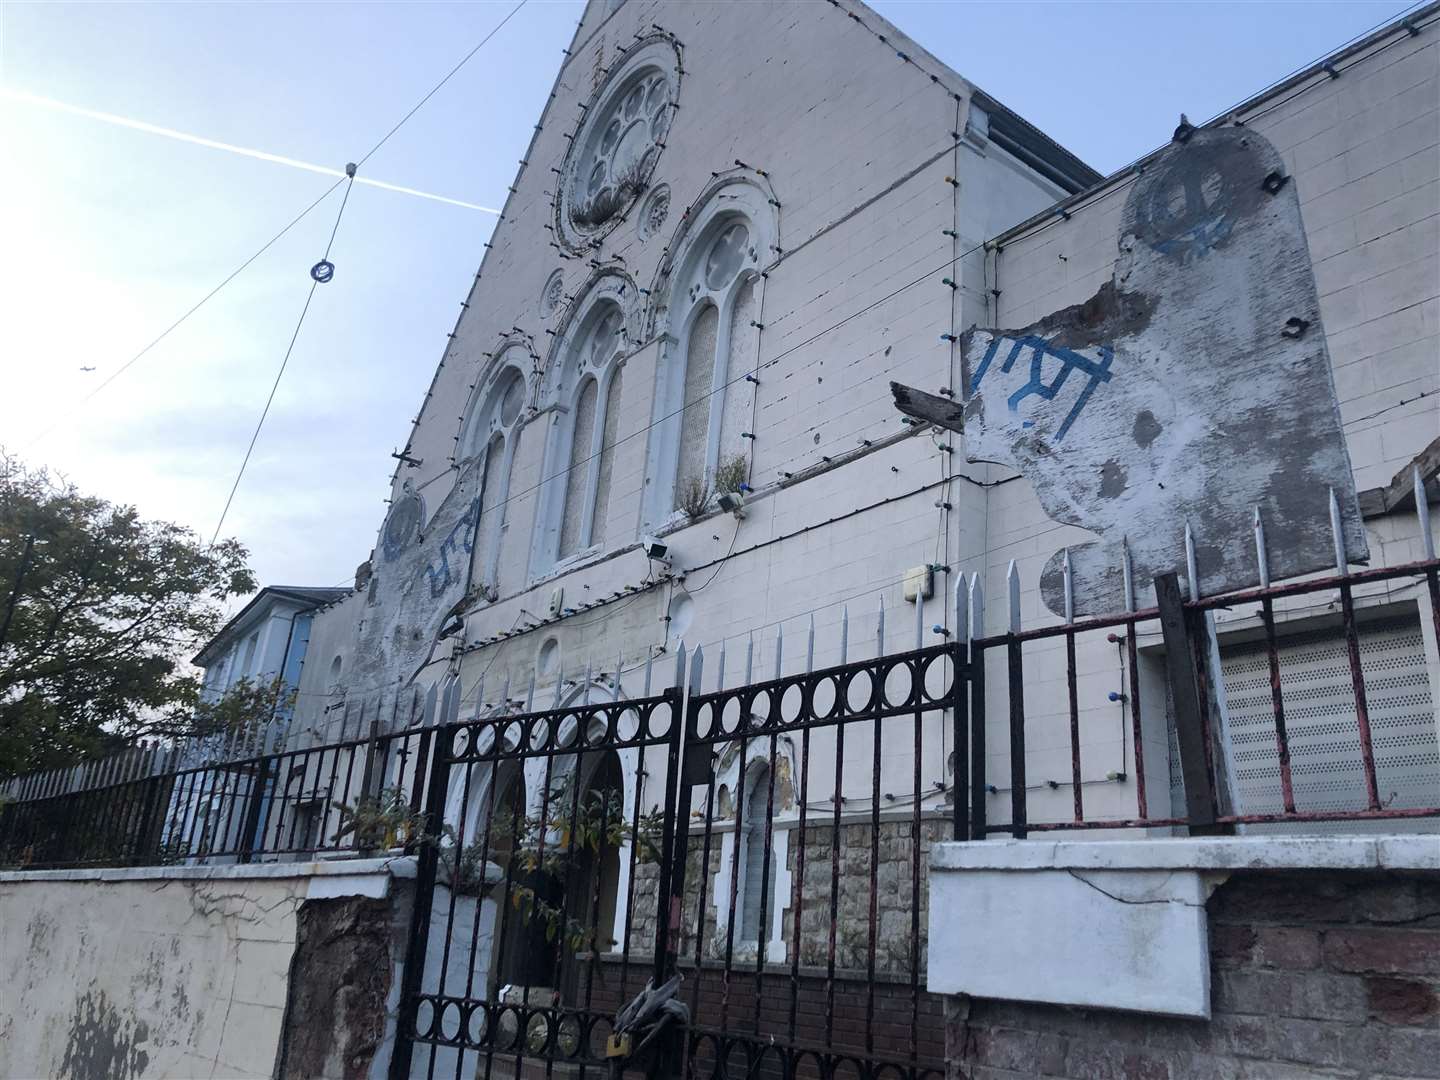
(379, 822)
(693, 495)
(627, 183)
(730, 474)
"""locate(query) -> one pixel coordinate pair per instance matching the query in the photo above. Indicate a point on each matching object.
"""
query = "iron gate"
(592, 847)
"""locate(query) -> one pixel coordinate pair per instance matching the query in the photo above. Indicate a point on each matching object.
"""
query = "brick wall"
(896, 1023)
(1314, 975)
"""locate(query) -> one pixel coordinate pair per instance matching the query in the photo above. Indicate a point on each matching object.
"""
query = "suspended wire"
(295, 221)
(265, 412)
(448, 76)
(196, 307)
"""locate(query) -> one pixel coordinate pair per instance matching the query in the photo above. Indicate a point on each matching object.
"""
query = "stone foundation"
(1315, 975)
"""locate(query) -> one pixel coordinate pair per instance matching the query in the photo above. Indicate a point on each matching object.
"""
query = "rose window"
(623, 150)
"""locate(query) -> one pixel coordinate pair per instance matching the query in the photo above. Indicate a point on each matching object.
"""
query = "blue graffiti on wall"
(458, 539)
(1097, 370)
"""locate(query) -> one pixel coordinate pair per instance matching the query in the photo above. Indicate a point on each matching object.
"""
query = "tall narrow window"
(759, 886)
(704, 406)
(737, 413)
(695, 420)
(490, 432)
(578, 459)
(490, 509)
(609, 432)
(572, 528)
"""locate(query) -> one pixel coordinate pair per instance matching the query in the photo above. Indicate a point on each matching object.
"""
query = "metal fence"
(755, 854)
(1194, 703)
(225, 799)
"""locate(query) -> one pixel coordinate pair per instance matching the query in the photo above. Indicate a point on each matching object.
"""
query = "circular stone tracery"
(614, 153)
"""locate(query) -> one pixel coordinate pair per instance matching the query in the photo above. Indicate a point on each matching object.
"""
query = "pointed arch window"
(704, 406)
(757, 881)
(580, 458)
(491, 430)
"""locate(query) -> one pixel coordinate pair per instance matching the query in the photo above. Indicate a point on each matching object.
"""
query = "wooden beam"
(931, 408)
(1399, 494)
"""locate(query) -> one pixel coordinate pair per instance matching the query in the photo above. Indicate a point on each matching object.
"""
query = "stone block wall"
(1315, 976)
(895, 945)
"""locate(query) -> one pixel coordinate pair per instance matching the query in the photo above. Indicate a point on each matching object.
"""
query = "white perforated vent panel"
(1320, 720)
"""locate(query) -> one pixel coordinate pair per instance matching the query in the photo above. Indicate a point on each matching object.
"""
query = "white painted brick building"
(884, 203)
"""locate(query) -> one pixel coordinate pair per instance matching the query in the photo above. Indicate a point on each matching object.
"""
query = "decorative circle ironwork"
(860, 691)
(424, 1017)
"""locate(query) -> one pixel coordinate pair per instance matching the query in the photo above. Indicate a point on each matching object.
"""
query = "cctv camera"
(655, 549)
(732, 502)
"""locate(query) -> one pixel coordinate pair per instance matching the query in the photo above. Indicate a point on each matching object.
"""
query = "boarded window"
(492, 511)
(572, 530)
(1321, 730)
(611, 426)
(695, 420)
(737, 413)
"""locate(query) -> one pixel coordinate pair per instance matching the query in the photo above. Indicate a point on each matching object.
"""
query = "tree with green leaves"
(100, 611)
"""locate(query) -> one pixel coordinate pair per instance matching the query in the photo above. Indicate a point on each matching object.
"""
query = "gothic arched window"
(704, 406)
(492, 428)
(580, 455)
(757, 882)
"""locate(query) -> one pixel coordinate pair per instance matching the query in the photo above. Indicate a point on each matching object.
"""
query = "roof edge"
(1411, 23)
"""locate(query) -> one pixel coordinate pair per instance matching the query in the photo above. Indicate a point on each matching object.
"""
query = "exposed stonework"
(335, 1013)
(893, 949)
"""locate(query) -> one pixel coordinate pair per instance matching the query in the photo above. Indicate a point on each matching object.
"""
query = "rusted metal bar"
(1072, 692)
(1190, 724)
(675, 832)
(959, 718)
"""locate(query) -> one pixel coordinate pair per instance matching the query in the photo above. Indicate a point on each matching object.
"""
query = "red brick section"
(1314, 976)
(897, 1037)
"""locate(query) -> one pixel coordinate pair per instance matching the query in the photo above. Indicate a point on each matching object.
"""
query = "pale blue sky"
(107, 235)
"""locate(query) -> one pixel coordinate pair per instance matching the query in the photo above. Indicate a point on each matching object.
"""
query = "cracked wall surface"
(149, 977)
(129, 979)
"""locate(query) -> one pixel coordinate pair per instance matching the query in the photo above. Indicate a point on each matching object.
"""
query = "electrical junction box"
(557, 599)
(919, 581)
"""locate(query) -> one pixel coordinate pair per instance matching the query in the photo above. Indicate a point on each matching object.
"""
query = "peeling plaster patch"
(335, 1019)
(101, 1044)
(1147, 429)
(1174, 396)
(1112, 479)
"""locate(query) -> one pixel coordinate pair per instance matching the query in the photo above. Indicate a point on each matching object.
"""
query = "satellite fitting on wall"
(919, 582)
(732, 502)
(656, 550)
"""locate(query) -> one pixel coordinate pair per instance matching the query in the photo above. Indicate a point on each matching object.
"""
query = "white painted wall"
(857, 147)
(161, 971)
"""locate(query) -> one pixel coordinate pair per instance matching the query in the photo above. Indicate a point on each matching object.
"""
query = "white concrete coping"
(1117, 924)
(324, 879)
(1221, 853)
